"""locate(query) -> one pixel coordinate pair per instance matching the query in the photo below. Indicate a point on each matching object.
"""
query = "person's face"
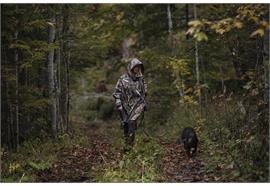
(136, 69)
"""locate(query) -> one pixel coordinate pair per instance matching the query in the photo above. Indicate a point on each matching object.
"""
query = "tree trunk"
(58, 77)
(170, 27)
(7, 106)
(259, 60)
(197, 60)
(222, 81)
(267, 80)
(58, 89)
(68, 85)
(66, 59)
(187, 19)
(11, 117)
(170, 24)
(268, 87)
(51, 77)
(16, 61)
(233, 44)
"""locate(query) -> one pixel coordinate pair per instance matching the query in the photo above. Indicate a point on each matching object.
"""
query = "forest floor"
(102, 160)
(94, 153)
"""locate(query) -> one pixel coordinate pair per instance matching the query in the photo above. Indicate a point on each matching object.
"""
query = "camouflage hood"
(131, 65)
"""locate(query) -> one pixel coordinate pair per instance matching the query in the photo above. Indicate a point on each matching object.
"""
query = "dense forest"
(206, 67)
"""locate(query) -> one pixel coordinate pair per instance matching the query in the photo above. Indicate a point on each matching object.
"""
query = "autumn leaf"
(259, 32)
(264, 23)
(195, 23)
(238, 24)
(201, 36)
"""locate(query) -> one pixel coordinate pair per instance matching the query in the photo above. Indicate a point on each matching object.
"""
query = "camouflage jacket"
(130, 90)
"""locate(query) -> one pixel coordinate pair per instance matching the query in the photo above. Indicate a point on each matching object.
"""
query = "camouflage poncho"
(129, 91)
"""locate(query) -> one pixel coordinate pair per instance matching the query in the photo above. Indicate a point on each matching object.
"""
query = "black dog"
(190, 141)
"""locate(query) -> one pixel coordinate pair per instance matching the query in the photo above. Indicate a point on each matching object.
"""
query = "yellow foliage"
(190, 100)
(13, 167)
(179, 66)
(200, 36)
(258, 32)
(195, 23)
(238, 24)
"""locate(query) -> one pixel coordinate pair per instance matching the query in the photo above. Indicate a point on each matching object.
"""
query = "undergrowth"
(33, 156)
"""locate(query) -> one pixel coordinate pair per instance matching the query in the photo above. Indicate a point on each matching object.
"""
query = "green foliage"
(227, 127)
(36, 155)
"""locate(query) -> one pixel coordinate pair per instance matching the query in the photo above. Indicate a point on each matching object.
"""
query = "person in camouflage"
(129, 94)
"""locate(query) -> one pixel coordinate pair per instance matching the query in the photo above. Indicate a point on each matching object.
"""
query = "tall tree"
(170, 24)
(187, 18)
(170, 29)
(66, 59)
(16, 61)
(197, 60)
(58, 73)
(51, 73)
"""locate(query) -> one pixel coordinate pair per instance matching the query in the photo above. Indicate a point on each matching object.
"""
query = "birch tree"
(170, 24)
(170, 27)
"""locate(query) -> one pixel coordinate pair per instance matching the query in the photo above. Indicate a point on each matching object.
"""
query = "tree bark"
(16, 61)
(197, 60)
(11, 117)
(7, 105)
(66, 59)
(222, 80)
(52, 96)
(170, 29)
(233, 44)
(170, 24)
(58, 77)
(187, 19)
(68, 85)
(58, 89)
(267, 88)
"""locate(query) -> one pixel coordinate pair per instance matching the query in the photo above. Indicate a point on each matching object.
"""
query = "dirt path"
(177, 167)
(78, 164)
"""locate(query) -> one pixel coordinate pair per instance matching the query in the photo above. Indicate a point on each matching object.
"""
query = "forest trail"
(206, 66)
(77, 164)
(81, 164)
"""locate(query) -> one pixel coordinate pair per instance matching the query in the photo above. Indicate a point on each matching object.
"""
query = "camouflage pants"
(129, 133)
